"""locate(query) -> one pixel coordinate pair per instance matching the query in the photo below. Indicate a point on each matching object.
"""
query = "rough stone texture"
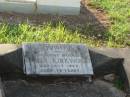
(112, 60)
(19, 7)
(60, 7)
(10, 58)
(2, 94)
(110, 77)
(22, 88)
(104, 64)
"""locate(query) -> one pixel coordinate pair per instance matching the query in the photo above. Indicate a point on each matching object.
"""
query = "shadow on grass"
(86, 24)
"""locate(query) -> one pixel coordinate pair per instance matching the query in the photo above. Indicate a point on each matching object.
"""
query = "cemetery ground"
(100, 23)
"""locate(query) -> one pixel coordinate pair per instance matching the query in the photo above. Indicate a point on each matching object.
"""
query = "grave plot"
(21, 75)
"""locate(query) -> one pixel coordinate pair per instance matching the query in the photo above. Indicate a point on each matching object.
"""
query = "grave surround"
(27, 7)
(60, 7)
(101, 57)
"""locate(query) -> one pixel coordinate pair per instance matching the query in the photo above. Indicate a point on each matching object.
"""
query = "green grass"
(119, 84)
(42, 33)
(128, 42)
(119, 16)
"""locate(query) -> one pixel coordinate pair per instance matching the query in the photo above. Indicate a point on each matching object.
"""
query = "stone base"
(23, 88)
(60, 7)
(104, 61)
(19, 7)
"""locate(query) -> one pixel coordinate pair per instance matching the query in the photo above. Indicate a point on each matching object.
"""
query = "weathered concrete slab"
(106, 60)
(114, 56)
(7, 48)
(19, 7)
(60, 7)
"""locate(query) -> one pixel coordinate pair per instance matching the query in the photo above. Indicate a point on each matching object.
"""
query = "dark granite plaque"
(56, 59)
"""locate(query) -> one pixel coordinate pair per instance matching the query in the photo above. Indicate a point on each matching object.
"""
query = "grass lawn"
(119, 16)
(43, 33)
(118, 12)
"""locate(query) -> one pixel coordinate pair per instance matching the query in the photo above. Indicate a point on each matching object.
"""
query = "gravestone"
(56, 59)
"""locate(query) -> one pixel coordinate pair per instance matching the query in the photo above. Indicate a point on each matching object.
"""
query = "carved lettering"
(56, 59)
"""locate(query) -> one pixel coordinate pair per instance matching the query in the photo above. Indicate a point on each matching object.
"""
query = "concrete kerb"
(104, 60)
(41, 7)
(18, 7)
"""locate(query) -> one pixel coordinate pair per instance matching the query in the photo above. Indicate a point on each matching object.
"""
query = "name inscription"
(60, 59)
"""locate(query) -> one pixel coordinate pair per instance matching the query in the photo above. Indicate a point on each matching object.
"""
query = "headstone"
(56, 59)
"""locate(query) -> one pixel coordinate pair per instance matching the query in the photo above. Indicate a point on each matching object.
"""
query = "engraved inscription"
(59, 59)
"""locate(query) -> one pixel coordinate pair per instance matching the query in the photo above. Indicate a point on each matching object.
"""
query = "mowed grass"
(118, 12)
(18, 33)
(119, 15)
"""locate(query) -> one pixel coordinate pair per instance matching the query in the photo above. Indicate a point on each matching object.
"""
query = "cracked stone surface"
(22, 88)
